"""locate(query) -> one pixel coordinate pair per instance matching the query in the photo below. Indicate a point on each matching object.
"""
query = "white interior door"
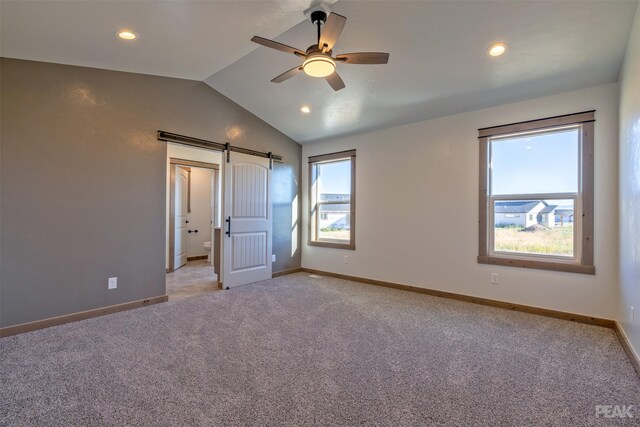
(180, 230)
(199, 215)
(246, 226)
(214, 213)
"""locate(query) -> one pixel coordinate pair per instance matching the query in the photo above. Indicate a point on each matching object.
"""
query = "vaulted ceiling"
(438, 65)
(185, 39)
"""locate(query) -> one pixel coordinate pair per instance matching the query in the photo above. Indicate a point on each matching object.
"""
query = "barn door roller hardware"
(227, 149)
(212, 145)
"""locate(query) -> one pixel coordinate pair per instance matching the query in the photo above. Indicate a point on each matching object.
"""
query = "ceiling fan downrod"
(318, 18)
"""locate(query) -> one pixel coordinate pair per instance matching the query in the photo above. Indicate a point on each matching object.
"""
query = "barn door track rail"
(212, 145)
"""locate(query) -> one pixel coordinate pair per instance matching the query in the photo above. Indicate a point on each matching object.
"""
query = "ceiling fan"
(318, 59)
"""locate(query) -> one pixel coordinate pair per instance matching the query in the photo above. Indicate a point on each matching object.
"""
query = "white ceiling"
(186, 39)
(438, 64)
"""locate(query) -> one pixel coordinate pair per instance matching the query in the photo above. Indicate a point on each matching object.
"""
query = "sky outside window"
(335, 177)
(536, 163)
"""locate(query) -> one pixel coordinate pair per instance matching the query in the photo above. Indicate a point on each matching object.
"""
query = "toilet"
(207, 246)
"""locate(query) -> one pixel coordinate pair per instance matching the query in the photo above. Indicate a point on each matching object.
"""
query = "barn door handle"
(228, 221)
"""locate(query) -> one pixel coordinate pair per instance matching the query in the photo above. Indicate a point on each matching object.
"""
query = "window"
(332, 193)
(536, 194)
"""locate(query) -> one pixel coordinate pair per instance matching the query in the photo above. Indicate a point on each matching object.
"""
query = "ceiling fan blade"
(364, 58)
(287, 75)
(335, 81)
(277, 46)
(331, 31)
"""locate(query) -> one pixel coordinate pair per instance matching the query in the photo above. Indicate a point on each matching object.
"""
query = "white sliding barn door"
(246, 225)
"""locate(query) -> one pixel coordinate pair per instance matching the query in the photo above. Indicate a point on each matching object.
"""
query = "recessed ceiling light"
(127, 35)
(305, 109)
(497, 49)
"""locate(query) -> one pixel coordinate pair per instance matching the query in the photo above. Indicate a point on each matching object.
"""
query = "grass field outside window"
(552, 241)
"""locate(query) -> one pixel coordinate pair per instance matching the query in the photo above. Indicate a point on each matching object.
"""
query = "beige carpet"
(299, 350)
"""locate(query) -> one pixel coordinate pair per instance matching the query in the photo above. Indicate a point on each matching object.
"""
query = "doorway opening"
(241, 193)
(193, 196)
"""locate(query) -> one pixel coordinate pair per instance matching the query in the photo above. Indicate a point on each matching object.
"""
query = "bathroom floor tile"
(194, 278)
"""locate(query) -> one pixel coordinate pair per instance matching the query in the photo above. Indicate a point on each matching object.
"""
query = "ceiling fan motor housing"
(318, 63)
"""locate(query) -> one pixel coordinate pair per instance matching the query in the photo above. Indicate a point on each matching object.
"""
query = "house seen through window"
(332, 196)
(538, 194)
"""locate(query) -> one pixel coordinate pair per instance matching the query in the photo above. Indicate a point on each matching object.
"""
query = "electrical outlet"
(273, 258)
(113, 283)
(495, 279)
(346, 259)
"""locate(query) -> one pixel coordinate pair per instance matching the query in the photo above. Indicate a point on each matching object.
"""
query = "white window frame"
(314, 203)
(582, 259)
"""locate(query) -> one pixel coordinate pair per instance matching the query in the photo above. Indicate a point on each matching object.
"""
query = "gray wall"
(82, 182)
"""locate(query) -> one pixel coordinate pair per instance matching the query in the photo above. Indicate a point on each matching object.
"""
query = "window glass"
(335, 221)
(334, 181)
(334, 200)
(536, 163)
(539, 227)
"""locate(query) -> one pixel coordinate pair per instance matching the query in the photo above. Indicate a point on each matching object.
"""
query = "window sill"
(539, 265)
(335, 245)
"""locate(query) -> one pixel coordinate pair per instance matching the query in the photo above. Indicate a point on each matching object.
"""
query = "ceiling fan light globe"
(319, 66)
